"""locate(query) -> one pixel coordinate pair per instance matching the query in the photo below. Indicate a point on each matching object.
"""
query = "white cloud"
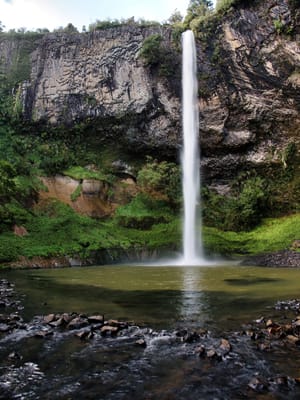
(28, 13)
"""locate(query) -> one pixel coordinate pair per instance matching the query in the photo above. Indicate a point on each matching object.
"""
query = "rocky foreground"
(236, 355)
(285, 258)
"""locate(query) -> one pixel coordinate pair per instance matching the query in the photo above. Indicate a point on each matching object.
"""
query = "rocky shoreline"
(280, 259)
(239, 352)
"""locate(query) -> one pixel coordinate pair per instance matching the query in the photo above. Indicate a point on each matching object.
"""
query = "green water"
(220, 297)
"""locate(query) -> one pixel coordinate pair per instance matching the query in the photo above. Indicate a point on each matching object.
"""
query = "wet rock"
(281, 259)
(84, 334)
(264, 346)
(67, 318)
(276, 331)
(257, 384)
(141, 343)
(14, 356)
(260, 320)
(57, 323)
(96, 319)
(296, 323)
(107, 329)
(200, 350)
(269, 323)
(43, 334)
(16, 317)
(4, 328)
(119, 324)
(225, 347)
(293, 304)
(191, 337)
(49, 318)
(279, 381)
(213, 355)
(293, 339)
(77, 323)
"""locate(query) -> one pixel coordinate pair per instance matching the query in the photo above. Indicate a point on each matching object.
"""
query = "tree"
(197, 11)
(70, 28)
(175, 18)
(151, 49)
(199, 8)
(1, 27)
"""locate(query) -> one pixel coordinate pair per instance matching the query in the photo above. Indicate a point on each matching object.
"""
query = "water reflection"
(162, 295)
(192, 301)
(217, 299)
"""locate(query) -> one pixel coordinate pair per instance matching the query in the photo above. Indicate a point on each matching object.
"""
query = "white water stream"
(192, 231)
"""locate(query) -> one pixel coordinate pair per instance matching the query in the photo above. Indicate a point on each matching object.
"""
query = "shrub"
(143, 212)
(151, 49)
(161, 177)
(240, 211)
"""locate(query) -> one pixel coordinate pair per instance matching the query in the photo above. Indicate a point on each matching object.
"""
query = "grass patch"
(79, 173)
(57, 230)
(272, 235)
(143, 212)
(76, 193)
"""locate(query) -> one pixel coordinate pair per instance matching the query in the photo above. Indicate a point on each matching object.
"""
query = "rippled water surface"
(159, 300)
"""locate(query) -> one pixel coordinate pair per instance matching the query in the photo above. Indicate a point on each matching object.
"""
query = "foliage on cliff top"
(114, 23)
(161, 57)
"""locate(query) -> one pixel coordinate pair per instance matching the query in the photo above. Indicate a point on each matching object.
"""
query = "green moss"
(272, 235)
(55, 229)
(79, 173)
(76, 193)
(143, 212)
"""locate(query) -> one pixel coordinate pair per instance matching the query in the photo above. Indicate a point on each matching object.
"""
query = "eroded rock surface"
(248, 68)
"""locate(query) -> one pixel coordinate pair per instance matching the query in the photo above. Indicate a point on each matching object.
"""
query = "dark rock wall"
(249, 77)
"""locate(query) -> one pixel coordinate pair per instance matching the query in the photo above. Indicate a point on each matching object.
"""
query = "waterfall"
(192, 235)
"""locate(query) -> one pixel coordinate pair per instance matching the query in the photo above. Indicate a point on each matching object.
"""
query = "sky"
(52, 14)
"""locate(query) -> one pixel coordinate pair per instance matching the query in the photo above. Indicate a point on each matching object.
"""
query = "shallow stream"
(160, 301)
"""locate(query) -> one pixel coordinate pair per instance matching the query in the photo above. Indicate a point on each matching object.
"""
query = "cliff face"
(249, 78)
(100, 76)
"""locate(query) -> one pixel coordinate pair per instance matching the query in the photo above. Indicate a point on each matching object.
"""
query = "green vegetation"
(234, 224)
(109, 23)
(79, 173)
(161, 179)
(271, 235)
(160, 56)
(143, 212)
(20, 68)
(55, 229)
(76, 193)
(150, 52)
(242, 209)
